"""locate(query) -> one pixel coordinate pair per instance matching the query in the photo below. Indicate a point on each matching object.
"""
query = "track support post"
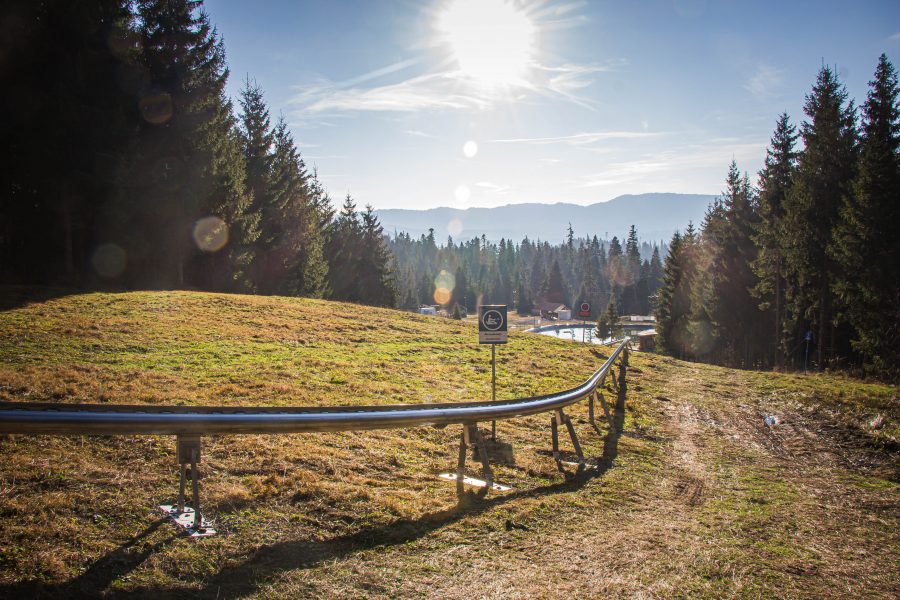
(560, 418)
(472, 438)
(188, 518)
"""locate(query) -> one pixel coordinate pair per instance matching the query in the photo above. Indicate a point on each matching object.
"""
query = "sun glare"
(492, 41)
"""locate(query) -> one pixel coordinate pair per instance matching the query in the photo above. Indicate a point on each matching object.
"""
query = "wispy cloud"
(493, 187)
(441, 88)
(582, 139)
(764, 82)
(423, 92)
(895, 37)
(709, 154)
(421, 134)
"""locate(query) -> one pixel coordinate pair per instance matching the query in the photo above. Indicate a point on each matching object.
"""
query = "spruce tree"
(769, 235)
(343, 254)
(825, 169)
(257, 146)
(674, 307)
(374, 265)
(865, 243)
(296, 265)
(187, 163)
(725, 311)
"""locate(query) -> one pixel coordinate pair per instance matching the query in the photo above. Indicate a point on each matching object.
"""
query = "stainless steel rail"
(188, 423)
(99, 419)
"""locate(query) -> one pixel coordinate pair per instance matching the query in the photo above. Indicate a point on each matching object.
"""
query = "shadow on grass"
(17, 296)
(99, 575)
(268, 561)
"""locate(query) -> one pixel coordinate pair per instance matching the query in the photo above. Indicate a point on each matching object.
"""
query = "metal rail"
(190, 422)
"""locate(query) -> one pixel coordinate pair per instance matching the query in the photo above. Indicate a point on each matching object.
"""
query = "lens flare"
(109, 260)
(156, 107)
(210, 234)
(442, 295)
(470, 149)
(443, 287)
(454, 227)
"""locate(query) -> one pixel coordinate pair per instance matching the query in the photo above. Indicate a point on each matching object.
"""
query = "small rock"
(771, 420)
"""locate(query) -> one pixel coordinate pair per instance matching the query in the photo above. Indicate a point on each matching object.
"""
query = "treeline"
(128, 165)
(524, 274)
(805, 267)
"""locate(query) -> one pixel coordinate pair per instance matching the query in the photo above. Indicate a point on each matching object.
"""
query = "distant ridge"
(656, 216)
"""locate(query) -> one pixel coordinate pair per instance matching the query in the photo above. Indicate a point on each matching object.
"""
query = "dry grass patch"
(696, 498)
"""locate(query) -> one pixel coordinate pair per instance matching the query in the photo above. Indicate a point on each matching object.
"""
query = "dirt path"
(732, 510)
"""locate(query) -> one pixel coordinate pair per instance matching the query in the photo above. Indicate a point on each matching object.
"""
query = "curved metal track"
(98, 419)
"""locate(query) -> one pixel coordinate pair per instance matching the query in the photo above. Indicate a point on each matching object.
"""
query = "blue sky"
(392, 103)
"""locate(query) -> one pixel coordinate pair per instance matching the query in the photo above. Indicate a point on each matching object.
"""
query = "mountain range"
(656, 217)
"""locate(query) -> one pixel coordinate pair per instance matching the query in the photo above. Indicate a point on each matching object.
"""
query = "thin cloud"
(493, 187)
(424, 92)
(446, 89)
(695, 156)
(765, 82)
(421, 134)
(581, 139)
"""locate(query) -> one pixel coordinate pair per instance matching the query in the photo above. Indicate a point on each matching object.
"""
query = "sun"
(492, 41)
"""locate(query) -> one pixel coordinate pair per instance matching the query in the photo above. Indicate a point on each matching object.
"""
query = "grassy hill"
(696, 498)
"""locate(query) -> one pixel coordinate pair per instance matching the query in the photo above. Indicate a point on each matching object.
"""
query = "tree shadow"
(268, 561)
(100, 574)
(17, 296)
(614, 432)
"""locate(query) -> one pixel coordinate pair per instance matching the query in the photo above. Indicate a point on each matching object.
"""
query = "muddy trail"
(698, 496)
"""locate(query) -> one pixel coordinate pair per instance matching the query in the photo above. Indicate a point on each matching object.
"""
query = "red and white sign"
(584, 309)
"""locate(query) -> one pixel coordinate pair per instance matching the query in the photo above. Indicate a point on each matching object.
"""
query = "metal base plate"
(185, 521)
(475, 482)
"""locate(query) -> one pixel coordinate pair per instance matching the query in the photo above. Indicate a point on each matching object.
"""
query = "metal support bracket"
(188, 518)
(471, 436)
(559, 417)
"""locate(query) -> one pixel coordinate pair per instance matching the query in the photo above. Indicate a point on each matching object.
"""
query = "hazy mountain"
(656, 216)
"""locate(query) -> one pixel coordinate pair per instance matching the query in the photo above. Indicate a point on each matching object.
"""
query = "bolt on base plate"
(185, 520)
(474, 482)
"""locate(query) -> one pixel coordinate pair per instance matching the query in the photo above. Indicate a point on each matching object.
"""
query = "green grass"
(696, 498)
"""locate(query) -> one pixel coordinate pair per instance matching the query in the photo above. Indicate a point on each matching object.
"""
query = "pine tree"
(257, 146)
(631, 274)
(608, 322)
(69, 114)
(674, 307)
(774, 182)
(461, 294)
(554, 288)
(655, 277)
(374, 269)
(187, 163)
(296, 263)
(825, 170)
(343, 254)
(865, 243)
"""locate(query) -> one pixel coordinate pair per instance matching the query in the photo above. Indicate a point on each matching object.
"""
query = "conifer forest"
(127, 166)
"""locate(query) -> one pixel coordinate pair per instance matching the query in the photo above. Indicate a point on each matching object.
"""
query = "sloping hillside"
(698, 497)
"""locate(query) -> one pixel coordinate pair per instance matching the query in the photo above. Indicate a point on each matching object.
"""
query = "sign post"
(493, 330)
(584, 311)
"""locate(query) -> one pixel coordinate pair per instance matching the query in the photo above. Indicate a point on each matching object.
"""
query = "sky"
(464, 103)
